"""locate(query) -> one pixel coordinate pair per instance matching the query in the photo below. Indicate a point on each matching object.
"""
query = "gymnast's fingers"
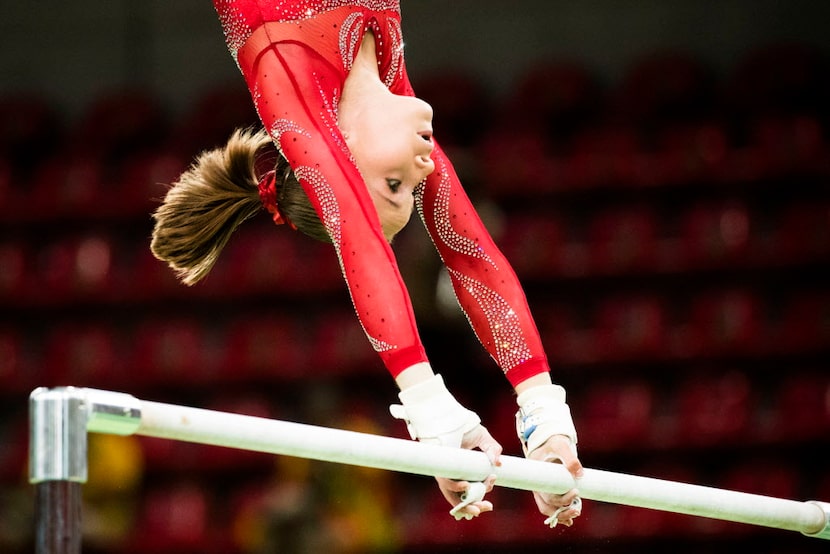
(560, 508)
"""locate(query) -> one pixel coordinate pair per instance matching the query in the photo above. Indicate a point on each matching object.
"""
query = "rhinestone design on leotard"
(396, 51)
(443, 221)
(330, 215)
(238, 29)
(328, 116)
(378, 345)
(351, 33)
(331, 221)
(510, 347)
(282, 126)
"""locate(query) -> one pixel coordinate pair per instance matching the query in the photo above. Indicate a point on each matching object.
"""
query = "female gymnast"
(357, 157)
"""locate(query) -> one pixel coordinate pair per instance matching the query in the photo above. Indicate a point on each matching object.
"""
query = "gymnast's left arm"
(489, 293)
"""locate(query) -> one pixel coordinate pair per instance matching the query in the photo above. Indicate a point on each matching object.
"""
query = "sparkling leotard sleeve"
(485, 284)
(295, 56)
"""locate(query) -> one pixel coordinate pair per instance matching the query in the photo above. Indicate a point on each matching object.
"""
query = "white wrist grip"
(542, 414)
(432, 414)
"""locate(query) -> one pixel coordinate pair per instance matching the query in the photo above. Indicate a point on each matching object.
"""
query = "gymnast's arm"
(291, 87)
(489, 293)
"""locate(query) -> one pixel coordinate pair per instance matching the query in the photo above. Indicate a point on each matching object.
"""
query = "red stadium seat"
(533, 244)
(717, 235)
(84, 355)
(15, 277)
(265, 348)
(715, 409)
(763, 476)
(144, 181)
(151, 278)
(554, 99)
(790, 145)
(569, 333)
(20, 372)
(802, 233)
(516, 162)
(77, 267)
(212, 120)
(663, 88)
(623, 240)
(615, 416)
(801, 409)
(260, 259)
(67, 186)
(118, 124)
(693, 153)
(630, 327)
(341, 346)
(175, 519)
(728, 321)
(169, 351)
(805, 323)
(774, 97)
(609, 155)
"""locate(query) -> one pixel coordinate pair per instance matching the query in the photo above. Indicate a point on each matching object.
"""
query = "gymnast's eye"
(394, 184)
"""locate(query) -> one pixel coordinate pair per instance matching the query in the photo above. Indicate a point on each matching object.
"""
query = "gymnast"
(356, 157)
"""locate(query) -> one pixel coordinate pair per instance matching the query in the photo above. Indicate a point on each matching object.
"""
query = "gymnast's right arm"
(293, 90)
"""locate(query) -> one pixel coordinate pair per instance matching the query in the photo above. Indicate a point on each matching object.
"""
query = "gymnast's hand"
(434, 416)
(465, 507)
(560, 508)
(546, 431)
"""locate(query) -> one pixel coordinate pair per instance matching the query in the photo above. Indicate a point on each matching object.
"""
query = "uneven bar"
(59, 455)
(347, 447)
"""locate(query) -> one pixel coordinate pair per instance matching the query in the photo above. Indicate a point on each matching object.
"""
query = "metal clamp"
(59, 420)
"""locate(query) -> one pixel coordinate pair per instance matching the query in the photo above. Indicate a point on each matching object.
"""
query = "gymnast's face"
(390, 138)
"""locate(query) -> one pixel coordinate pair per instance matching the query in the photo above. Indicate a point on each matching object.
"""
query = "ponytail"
(214, 196)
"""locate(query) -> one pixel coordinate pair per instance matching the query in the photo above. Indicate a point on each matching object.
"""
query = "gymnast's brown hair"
(203, 208)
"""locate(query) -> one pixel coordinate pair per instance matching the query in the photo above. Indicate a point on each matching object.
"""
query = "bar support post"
(59, 420)
(57, 467)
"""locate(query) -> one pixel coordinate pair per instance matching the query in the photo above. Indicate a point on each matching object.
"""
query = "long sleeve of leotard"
(290, 85)
(485, 284)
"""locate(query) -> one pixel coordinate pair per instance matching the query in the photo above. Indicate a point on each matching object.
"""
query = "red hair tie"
(268, 196)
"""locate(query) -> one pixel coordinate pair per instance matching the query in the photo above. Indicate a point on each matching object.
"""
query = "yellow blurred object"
(115, 463)
(115, 469)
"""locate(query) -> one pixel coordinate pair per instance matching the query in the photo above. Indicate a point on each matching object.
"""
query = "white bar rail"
(117, 413)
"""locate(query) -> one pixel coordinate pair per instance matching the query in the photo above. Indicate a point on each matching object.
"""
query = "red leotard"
(295, 56)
